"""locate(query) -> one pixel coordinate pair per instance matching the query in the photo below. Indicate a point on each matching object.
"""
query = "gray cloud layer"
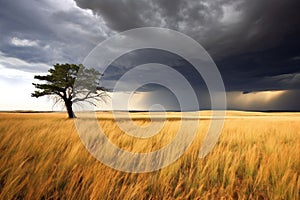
(62, 32)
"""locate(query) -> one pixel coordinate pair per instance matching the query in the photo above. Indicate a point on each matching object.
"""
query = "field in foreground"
(257, 157)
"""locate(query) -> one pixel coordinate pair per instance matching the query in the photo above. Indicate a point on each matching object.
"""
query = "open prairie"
(256, 157)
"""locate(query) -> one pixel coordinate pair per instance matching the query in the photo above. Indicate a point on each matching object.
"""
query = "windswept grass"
(42, 157)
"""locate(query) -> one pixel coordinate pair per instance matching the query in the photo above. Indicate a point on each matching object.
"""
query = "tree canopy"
(60, 82)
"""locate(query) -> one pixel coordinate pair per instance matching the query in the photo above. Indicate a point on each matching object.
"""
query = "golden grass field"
(257, 157)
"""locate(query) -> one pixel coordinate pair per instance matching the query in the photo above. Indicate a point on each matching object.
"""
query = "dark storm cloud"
(252, 42)
(143, 56)
(219, 25)
(264, 70)
(119, 15)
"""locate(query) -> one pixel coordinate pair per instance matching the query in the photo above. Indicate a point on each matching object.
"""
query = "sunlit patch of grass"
(42, 157)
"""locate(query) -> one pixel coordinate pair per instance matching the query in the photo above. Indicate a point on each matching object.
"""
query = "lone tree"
(60, 83)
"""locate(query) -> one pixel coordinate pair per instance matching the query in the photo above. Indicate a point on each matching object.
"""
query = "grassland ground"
(256, 157)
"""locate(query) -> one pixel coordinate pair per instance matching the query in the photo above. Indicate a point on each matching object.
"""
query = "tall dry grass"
(42, 157)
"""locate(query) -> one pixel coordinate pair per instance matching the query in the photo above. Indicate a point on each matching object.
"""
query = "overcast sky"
(255, 44)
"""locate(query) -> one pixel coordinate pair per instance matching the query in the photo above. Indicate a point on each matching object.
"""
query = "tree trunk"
(69, 109)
